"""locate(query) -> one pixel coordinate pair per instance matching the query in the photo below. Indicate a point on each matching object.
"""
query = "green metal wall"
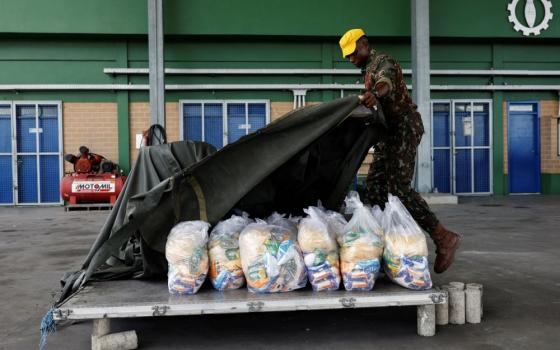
(448, 18)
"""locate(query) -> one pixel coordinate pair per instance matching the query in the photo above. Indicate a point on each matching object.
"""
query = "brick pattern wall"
(278, 109)
(140, 121)
(90, 124)
(172, 121)
(550, 161)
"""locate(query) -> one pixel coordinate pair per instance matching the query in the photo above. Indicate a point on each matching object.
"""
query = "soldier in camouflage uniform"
(394, 158)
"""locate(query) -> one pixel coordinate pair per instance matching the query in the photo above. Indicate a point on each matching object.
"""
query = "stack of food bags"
(361, 246)
(225, 261)
(320, 250)
(406, 252)
(271, 258)
(187, 256)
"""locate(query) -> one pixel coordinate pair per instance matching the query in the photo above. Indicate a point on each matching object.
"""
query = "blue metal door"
(523, 147)
(38, 153)
(6, 154)
(461, 147)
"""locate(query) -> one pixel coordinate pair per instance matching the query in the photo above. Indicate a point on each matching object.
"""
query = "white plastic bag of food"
(317, 241)
(361, 246)
(271, 258)
(223, 249)
(187, 256)
(405, 259)
(290, 223)
(378, 214)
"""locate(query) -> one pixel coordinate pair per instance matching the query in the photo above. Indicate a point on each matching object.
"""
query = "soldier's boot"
(447, 243)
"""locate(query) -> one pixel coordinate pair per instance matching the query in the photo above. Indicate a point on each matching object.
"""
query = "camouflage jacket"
(383, 68)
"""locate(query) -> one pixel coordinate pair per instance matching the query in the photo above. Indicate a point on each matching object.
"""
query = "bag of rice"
(223, 248)
(271, 258)
(320, 250)
(361, 246)
(405, 259)
(187, 255)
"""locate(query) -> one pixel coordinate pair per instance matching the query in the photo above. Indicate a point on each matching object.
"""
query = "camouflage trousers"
(393, 168)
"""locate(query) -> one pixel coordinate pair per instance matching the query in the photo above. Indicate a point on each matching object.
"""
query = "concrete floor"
(510, 246)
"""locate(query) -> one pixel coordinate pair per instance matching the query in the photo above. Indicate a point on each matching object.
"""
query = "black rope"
(156, 135)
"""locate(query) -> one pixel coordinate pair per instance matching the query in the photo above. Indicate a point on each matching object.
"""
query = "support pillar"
(157, 66)
(420, 33)
(426, 320)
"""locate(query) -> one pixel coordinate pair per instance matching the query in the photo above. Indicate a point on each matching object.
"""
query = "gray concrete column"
(420, 34)
(157, 66)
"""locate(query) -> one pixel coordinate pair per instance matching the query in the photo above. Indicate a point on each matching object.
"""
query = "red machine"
(95, 179)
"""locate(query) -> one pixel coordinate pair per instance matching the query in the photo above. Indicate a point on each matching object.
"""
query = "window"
(220, 122)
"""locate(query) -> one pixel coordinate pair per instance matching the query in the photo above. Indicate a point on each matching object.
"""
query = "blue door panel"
(463, 175)
(524, 152)
(441, 129)
(481, 170)
(6, 185)
(5, 130)
(27, 179)
(481, 125)
(213, 124)
(257, 116)
(462, 115)
(236, 119)
(442, 139)
(48, 122)
(6, 182)
(192, 121)
(442, 170)
(50, 177)
(25, 119)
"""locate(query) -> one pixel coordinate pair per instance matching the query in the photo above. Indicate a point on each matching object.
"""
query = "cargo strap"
(199, 197)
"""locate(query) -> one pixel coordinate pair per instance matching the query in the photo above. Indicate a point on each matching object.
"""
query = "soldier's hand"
(368, 99)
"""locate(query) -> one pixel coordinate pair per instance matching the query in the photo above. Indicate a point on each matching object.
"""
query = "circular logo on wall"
(530, 16)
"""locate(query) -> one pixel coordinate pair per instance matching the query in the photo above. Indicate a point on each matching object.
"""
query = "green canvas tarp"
(308, 155)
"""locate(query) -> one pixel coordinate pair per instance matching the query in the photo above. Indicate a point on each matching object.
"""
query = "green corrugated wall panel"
(174, 96)
(54, 72)
(58, 48)
(122, 98)
(236, 51)
(64, 96)
(289, 17)
(74, 16)
(448, 18)
(460, 95)
(529, 95)
(500, 179)
(550, 183)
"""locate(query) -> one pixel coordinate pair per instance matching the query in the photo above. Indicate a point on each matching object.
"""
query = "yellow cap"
(348, 41)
